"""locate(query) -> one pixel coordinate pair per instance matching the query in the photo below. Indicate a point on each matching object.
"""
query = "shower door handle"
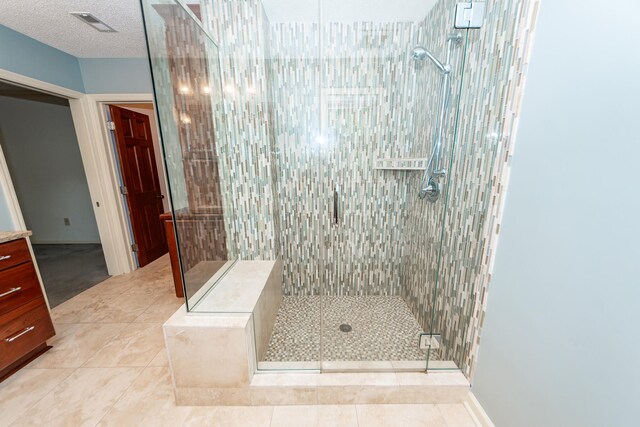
(335, 205)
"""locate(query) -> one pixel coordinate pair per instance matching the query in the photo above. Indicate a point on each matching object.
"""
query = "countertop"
(7, 236)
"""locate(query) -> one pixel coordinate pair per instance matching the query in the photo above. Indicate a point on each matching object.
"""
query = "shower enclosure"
(361, 144)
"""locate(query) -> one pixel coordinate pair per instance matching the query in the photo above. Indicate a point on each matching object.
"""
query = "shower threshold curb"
(334, 389)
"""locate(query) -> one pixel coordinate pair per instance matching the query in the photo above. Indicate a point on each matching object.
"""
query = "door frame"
(101, 133)
(110, 111)
(98, 163)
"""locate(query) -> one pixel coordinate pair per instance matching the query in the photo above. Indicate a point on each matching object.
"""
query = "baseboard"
(64, 242)
(477, 411)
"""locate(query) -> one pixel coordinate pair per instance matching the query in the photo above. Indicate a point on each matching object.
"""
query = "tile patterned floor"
(109, 367)
(383, 329)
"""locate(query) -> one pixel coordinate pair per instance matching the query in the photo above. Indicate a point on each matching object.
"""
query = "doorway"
(136, 150)
(40, 146)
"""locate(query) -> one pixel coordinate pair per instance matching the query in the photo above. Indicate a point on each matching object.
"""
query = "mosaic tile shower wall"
(246, 149)
(492, 84)
(333, 117)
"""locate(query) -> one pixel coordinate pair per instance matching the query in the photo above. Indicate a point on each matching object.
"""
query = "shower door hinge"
(469, 15)
(111, 125)
(430, 341)
(134, 248)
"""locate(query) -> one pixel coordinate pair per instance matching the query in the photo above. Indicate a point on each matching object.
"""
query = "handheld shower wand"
(430, 187)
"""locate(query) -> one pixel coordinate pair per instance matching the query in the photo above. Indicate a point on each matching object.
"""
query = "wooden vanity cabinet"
(25, 323)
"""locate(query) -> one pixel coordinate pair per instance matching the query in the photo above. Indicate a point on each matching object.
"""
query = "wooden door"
(140, 178)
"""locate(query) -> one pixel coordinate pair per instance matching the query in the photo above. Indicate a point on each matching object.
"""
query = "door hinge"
(134, 248)
(469, 15)
(111, 125)
(123, 190)
(430, 341)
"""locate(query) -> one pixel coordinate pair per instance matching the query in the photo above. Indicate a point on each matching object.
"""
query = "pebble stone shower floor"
(383, 329)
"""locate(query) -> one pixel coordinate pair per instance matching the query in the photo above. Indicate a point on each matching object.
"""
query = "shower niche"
(299, 143)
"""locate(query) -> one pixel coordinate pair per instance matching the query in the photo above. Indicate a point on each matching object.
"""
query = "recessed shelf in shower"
(407, 164)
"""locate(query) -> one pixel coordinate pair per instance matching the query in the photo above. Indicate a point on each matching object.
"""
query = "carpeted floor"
(68, 270)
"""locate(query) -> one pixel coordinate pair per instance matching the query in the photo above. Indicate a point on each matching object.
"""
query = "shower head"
(419, 53)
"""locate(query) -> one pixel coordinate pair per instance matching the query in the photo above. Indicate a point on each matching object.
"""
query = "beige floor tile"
(152, 280)
(136, 345)
(337, 416)
(160, 359)
(101, 308)
(122, 308)
(161, 309)
(320, 416)
(82, 399)
(230, 416)
(62, 327)
(456, 415)
(73, 310)
(73, 347)
(24, 389)
(149, 401)
(399, 415)
(116, 285)
(161, 284)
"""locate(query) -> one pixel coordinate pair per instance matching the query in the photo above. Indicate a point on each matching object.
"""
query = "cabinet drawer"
(24, 329)
(18, 285)
(14, 253)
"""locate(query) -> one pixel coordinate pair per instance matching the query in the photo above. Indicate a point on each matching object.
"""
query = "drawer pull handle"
(15, 337)
(11, 291)
(4, 257)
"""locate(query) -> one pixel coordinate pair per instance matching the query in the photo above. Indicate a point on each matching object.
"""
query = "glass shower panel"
(381, 111)
(188, 93)
(285, 74)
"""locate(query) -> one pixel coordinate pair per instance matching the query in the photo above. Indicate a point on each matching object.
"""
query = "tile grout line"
(13, 423)
(104, 345)
(124, 392)
(142, 369)
(446, 423)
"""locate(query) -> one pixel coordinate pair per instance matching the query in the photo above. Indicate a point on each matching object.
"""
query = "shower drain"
(345, 327)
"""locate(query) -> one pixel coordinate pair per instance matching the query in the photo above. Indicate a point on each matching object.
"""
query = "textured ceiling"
(49, 21)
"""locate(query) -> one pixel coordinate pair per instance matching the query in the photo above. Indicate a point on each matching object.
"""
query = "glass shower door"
(380, 115)
(293, 104)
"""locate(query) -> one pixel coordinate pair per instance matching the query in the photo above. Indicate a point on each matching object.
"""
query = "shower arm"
(444, 69)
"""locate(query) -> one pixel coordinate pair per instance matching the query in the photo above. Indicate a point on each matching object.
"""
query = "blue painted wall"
(116, 75)
(24, 55)
(560, 345)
